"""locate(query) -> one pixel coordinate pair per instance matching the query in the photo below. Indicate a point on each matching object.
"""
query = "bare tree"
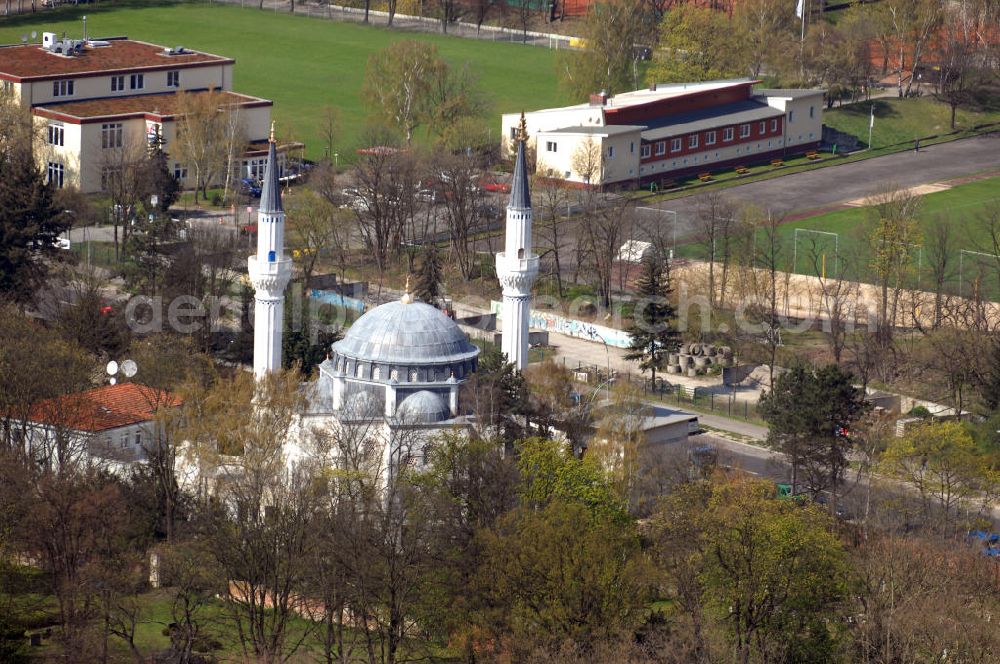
(603, 231)
(205, 136)
(552, 203)
(464, 204)
(379, 220)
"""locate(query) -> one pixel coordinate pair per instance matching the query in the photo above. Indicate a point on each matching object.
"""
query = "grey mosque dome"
(406, 333)
(423, 407)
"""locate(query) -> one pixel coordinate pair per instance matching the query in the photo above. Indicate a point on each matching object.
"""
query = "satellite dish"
(113, 380)
(129, 367)
(112, 369)
(34, 35)
(24, 39)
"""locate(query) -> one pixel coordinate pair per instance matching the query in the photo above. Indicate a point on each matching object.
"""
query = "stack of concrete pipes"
(694, 359)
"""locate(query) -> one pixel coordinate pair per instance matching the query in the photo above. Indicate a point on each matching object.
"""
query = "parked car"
(428, 196)
(490, 184)
(250, 187)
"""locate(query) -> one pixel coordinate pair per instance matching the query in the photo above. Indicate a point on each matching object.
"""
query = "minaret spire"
(517, 265)
(269, 269)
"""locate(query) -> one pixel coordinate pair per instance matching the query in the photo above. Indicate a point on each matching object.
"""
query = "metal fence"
(409, 23)
(701, 399)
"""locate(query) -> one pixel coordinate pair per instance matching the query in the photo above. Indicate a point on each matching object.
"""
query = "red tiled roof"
(103, 408)
(32, 62)
(155, 106)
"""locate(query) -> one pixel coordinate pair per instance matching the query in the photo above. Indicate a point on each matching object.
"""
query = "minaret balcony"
(269, 275)
(527, 265)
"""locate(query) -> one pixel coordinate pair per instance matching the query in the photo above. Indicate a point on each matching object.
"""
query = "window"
(744, 131)
(763, 127)
(727, 134)
(611, 152)
(693, 141)
(55, 135)
(7, 87)
(180, 172)
(117, 83)
(513, 133)
(675, 145)
(63, 88)
(124, 440)
(710, 138)
(812, 111)
(661, 148)
(774, 125)
(173, 79)
(110, 177)
(55, 173)
(136, 82)
(791, 117)
(138, 438)
(644, 151)
(550, 146)
(631, 147)
(111, 135)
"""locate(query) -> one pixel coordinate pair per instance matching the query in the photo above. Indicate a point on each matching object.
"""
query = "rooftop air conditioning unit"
(49, 40)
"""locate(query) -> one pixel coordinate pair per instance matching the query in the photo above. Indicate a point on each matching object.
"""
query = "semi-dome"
(423, 407)
(405, 333)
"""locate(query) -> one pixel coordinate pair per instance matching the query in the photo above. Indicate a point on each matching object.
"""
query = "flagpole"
(871, 126)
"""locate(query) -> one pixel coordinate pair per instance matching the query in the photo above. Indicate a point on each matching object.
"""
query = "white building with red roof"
(90, 96)
(657, 134)
(116, 423)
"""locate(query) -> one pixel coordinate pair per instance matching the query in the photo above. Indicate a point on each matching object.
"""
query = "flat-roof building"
(659, 133)
(88, 97)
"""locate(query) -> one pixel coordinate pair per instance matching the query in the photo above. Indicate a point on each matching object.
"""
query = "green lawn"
(304, 64)
(902, 120)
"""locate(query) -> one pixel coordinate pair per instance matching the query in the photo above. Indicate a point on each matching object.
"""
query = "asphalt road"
(830, 186)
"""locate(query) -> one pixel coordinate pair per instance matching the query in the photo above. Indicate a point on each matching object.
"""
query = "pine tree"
(653, 331)
(30, 224)
(428, 286)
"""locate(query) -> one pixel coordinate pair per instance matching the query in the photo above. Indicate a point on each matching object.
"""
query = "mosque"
(399, 368)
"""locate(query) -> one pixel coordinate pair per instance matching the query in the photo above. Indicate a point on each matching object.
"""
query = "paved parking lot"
(830, 186)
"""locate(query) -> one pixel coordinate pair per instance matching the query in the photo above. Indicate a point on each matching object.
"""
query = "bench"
(668, 183)
(777, 162)
(742, 170)
(813, 155)
(705, 177)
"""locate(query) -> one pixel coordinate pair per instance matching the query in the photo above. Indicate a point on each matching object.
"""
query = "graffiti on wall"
(571, 327)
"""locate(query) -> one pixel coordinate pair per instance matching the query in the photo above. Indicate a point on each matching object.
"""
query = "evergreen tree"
(653, 331)
(428, 286)
(810, 414)
(30, 224)
(156, 179)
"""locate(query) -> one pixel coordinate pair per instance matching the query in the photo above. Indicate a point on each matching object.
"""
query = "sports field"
(303, 64)
(807, 243)
(963, 207)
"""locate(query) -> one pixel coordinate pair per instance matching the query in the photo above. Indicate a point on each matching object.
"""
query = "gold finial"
(522, 134)
(407, 298)
(272, 131)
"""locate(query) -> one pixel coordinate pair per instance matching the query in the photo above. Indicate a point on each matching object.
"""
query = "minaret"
(269, 270)
(517, 266)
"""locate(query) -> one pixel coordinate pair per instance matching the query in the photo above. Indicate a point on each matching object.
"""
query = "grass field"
(902, 120)
(847, 232)
(304, 64)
